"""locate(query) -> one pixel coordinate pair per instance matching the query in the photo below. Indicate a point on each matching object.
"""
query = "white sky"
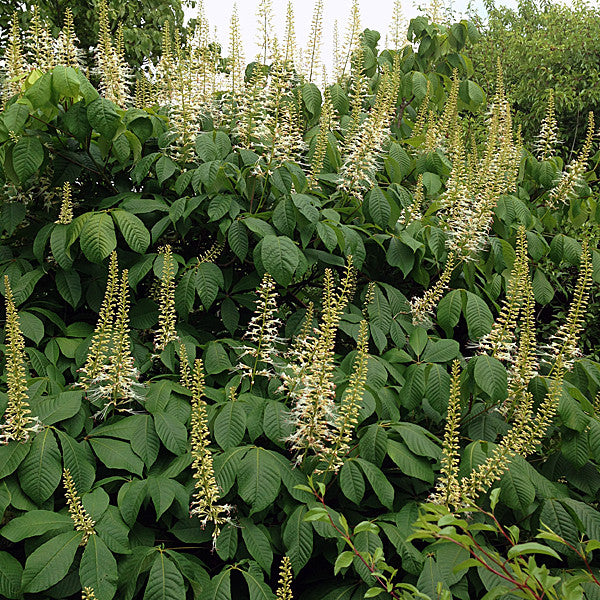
(375, 14)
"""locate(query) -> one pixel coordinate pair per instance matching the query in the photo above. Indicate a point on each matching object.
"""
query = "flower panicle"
(15, 68)
(18, 423)
(66, 208)
(236, 53)
(167, 317)
(347, 414)
(564, 349)
(262, 331)
(325, 123)
(573, 177)
(88, 593)
(500, 339)
(364, 148)
(308, 378)
(284, 591)
(448, 487)
(99, 347)
(80, 517)
(547, 140)
(313, 67)
(68, 53)
(113, 69)
(422, 307)
(206, 494)
(423, 112)
(110, 377)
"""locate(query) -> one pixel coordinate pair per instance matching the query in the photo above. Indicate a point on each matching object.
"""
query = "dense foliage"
(544, 46)
(141, 21)
(255, 319)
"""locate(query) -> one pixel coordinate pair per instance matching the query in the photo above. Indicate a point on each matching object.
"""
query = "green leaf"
(298, 539)
(98, 569)
(220, 586)
(165, 167)
(230, 425)
(478, 315)
(257, 544)
(133, 229)
(78, 458)
(11, 456)
(531, 548)
(98, 237)
(342, 561)
(352, 482)
(209, 278)
(58, 245)
(130, 498)
(165, 581)
(543, 291)
(163, 491)
(216, 359)
(378, 207)
(58, 408)
(50, 563)
(419, 85)
(339, 99)
(68, 284)
(65, 81)
(259, 479)
(28, 156)
(440, 351)
(408, 463)
(280, 257)
(41, 471)
(227, 542)
(312, 98)
(10, 577)
(117, 455)
(35, 522)
(276, 422)
(381, 486)
(490, 375)
(284, 216)
(15, 116)
(257, 588)
(516, 490)
(144, 441)
(103, 117)
(171, 432)
(237, 236)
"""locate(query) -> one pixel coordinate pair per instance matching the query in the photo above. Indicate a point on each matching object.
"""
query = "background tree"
(543, 46)
(142, 22)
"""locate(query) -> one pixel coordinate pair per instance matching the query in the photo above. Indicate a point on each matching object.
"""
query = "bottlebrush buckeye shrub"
(232, 294)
